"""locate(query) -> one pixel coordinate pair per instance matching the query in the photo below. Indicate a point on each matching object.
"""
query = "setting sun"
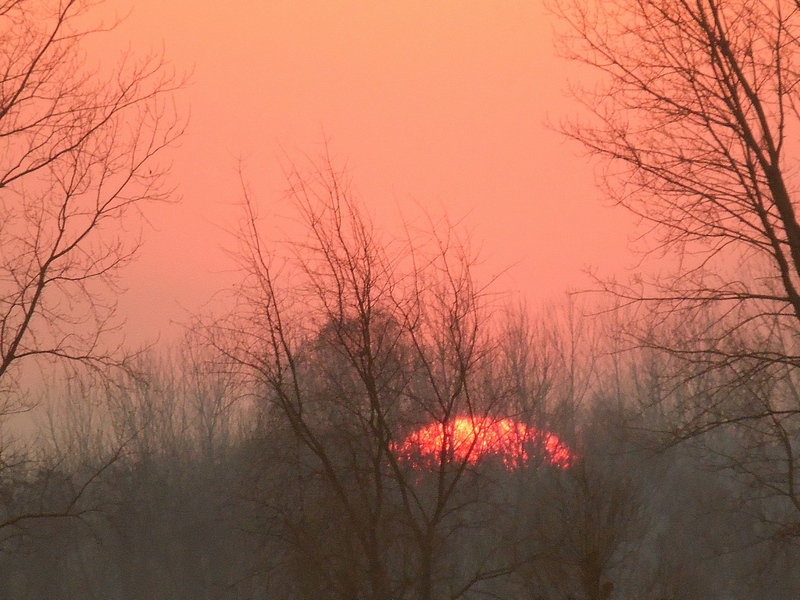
(472, 439)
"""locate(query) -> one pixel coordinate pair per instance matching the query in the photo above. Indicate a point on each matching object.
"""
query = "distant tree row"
(215, 495)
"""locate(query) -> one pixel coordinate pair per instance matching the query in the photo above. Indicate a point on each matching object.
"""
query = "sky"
(435, 104)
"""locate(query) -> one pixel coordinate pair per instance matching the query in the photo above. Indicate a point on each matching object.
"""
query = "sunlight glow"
(471, 439)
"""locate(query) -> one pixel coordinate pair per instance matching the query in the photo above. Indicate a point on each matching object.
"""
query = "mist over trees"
(262, 457)
(368, 418)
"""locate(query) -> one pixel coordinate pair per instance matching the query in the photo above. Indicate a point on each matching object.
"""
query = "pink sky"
(442, 103)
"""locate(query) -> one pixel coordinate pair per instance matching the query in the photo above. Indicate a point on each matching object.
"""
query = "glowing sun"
(471, 439)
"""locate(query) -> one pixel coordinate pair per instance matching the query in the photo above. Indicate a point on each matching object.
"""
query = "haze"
(350, 369)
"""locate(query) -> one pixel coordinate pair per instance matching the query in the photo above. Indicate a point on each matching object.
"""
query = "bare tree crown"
(77, 162)
(696, 119)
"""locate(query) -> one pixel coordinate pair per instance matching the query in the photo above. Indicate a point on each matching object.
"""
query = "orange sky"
(439, 102)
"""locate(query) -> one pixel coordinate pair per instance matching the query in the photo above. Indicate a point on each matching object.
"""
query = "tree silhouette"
(78, 146)
(694, 116)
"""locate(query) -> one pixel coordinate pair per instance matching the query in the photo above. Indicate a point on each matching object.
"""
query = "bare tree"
(353, 343)
(78, 145)
(694, 116)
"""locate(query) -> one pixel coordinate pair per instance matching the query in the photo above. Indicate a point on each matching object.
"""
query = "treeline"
(187, 478)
